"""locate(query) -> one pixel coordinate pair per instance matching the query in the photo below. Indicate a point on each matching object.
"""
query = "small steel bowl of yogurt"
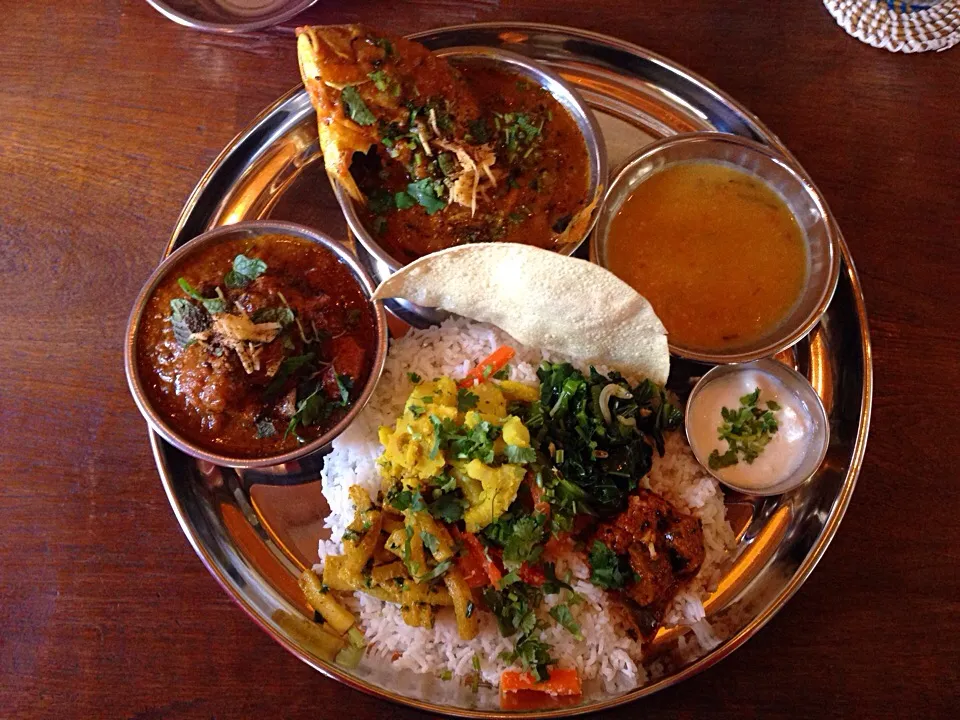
(787, 457)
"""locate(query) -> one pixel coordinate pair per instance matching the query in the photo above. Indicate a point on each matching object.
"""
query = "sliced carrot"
(540, 504)
(532, 574)
(494, 363)
(475, 548)
(556, 546)
(559, 682)
(474, 570)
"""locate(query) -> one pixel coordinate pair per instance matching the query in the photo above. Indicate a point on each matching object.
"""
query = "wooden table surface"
(108, 116)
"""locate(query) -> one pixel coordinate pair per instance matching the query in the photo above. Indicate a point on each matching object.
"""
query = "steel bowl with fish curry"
(443, 153)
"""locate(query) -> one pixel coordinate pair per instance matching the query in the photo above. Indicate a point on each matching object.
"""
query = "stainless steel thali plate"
(254, 530)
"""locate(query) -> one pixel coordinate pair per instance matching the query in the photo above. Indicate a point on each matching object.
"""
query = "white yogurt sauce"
(787, 447)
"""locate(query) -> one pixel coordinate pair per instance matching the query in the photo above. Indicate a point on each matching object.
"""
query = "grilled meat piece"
(664, 547)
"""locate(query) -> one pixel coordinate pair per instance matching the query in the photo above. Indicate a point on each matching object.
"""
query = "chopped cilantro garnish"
(414, 378)
(425, 193)
(466, 400)
(403, 200)
(747, 431)
(357, 109)
(561, 613)
(607, 569)
(404, 499)
(384, 82)
(520, 455)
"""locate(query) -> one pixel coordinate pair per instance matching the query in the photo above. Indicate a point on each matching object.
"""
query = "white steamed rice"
(606, 656)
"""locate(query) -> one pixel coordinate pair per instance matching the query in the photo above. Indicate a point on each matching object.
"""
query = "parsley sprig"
(747, 430)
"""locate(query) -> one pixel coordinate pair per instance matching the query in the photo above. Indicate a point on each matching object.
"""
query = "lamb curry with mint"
(252, 347)
(443, 153)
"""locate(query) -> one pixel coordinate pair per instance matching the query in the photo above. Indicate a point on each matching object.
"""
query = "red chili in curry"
(251, 347)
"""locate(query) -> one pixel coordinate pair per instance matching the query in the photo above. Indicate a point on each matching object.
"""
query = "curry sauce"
(537, 179)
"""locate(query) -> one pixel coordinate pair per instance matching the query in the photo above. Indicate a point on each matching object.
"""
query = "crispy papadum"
(544, 300)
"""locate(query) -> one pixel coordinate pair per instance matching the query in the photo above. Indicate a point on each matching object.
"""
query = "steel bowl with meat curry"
(256, 345)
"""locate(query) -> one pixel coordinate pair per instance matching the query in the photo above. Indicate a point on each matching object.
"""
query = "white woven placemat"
(900, 25)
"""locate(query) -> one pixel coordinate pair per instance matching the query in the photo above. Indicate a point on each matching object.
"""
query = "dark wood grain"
(108, 116)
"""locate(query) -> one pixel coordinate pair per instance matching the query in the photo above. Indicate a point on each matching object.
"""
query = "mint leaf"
(249, 267)
(186, 319)
(265, 429)
(213, 305)
(282, 315)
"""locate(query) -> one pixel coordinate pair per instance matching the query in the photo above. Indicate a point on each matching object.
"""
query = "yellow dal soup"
(715, 250)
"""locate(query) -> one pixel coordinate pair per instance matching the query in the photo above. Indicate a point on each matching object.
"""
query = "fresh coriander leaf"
(287, 368)
(503, 373)
(718, 461)
(607, 570)
(448, 507)
(405, 499)
(553, 585)
(265, 429)
(430, 542)
(466, 400)
(439, 570)
(357, 109)
(524, 543)
(416, 410)
(747, 430)
(403, 200)
(520, 455)
(414, 378)
(424, 192)
(561, 613)
(344, 385)
(385, 45)
(384, 82)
